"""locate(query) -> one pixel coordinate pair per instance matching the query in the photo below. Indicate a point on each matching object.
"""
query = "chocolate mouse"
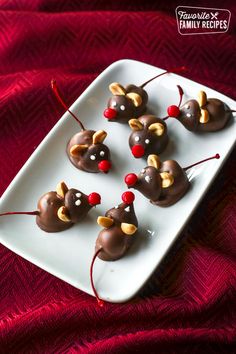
(130, 101)
(202, 115)
(85, 149)
(163, 183)
(59, 210)
(119, 225)
(149, 135)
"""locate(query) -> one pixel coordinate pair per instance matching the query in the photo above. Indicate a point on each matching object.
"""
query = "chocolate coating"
(83, 160)
(218, 115)
(177, 190)
(149, 183)
(113, 240)
(76, 212)
(130, 110)
(156, 143)
(47, 219)
(151, 189)
(49, 204)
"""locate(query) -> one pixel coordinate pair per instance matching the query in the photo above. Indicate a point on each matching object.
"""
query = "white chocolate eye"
(188, 115)
(102, 153)
(78, 195)
(143, 171)
(147, 141)
(117, 207)
(187, 106)
(148, 179)
(122, 107)
(127, 209)
(114, 104)
(137, 138)
(92, 157)
(78, 202)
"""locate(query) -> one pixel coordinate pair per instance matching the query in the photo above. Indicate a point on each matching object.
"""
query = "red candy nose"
(173, 111)
(94, 199)
(104, 166)
(137, 150)
(128, 197)
(131, 179)
(110, 113)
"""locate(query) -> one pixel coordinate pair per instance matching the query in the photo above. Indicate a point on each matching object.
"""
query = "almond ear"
(204, 117)
(135, 97)
(154, 161)
(104, 221)
(157, 128)
(135, 124)
(128, 229)
(167, 179)
(117, 89)
(99, 136)
(61, 189)
(62, 214)
(202, 98)
(76, 149)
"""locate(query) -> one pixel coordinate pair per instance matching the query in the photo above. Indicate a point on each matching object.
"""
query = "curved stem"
(181, 92)
(36, 212)
(100, 302)
(62, 102)
(217, 156)
(173, 71)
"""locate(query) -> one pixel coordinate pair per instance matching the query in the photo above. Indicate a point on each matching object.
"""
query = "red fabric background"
(190, 302)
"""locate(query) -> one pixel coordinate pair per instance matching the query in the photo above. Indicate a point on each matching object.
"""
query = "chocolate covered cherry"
(163, 183)
(85, 149)
(203, 115)
(119, 223)
(130, 101)
(149, 135)
(119, 228)
(59, 210)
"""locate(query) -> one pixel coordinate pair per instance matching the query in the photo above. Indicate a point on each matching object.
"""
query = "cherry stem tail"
(62, 102)
(181, 93)
(173, 71)
(100, 302)
(217, 156)
(36, 212)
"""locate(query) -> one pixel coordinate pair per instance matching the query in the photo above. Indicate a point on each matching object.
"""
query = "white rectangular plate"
(68, 254)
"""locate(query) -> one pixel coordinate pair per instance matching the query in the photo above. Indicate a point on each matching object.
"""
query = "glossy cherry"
(131, 179)
(173, 111)
(137, 151)
(94, 198)
(104, 166)
(110, 113)
(128, 197)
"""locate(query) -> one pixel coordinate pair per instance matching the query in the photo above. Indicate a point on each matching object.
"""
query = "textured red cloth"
(189, 303)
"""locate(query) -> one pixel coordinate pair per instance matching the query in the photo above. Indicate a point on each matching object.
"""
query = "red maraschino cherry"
(110, 113)
(104, 166)
(173, 111)
(131, 179)
(128, 197)
(137, 150)
(94, 199)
